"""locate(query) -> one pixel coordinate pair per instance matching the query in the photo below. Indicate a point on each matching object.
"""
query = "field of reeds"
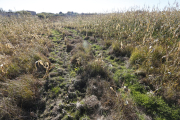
(142, 46)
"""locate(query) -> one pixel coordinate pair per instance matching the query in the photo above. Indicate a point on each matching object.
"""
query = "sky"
(81, 6)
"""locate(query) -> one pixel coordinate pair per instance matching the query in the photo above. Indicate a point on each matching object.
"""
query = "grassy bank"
(23, 41)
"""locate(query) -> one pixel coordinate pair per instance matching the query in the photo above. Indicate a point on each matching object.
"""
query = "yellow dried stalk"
(45, 65)
(121, 45)
(114, 91)
(78, 60)
(99, 61)
(1, 66)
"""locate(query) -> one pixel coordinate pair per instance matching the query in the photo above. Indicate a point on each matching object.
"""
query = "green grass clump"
(85, 117)
(139, 55)
(72, 73)
(56, 90)
(97, 47)
(156, 106)
(124, 76)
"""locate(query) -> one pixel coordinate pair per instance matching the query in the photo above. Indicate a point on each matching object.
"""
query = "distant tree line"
(42, 15)
(69, 13)
(17, 13)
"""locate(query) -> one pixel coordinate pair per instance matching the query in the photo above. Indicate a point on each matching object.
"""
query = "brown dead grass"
(23, 41)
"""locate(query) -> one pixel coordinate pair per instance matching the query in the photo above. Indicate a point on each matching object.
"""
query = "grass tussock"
(81, 55)
(138, 55)
(119, 49)
(20, 94)
(25, 90)
(96, 68)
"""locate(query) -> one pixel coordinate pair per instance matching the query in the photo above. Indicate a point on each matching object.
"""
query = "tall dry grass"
(151, 38)
(24, 40)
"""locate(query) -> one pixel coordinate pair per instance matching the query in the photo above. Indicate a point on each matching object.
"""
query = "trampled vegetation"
(123, 65)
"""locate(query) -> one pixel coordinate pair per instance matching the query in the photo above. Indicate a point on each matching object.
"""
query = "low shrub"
(41, 16)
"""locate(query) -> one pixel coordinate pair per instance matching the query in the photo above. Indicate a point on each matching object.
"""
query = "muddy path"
(67, 92)
(86, 81)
